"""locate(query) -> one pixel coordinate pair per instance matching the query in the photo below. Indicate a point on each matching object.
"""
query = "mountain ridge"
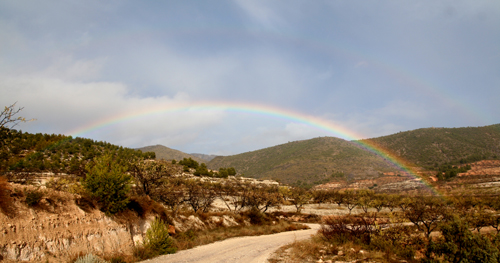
(166, 153)
(330, 158)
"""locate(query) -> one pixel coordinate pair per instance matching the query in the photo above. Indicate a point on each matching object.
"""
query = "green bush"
(459, 244)
(108, 183)
(158, 239)
(33, 197)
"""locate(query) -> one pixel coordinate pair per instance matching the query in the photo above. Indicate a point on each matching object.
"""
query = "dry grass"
(316, 248)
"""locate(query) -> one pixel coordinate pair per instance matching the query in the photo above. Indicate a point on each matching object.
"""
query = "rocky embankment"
(57, 229)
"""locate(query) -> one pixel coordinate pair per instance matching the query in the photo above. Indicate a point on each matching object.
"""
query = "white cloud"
(62, 106)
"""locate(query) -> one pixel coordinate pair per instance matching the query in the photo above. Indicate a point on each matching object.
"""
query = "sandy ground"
(255, 249)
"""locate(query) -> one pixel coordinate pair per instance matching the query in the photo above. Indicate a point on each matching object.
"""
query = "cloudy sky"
(225, 77)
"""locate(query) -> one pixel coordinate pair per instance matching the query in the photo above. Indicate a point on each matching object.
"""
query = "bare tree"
(350, 199)
(170, 192)
(264, 197)
(8, 117)
(234, 194)
(425, 213)
(148, 174)
(199, 195)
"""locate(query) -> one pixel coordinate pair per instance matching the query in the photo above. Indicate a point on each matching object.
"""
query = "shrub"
(33, 197)
(256, 216)
(158, 240)
(108, 183)
(397, 240)
(341, 229)
(459, 244)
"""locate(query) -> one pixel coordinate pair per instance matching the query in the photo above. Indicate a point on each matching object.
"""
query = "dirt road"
(255, 249)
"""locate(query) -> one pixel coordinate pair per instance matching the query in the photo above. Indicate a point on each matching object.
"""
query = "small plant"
(157, 241)
(33, 197)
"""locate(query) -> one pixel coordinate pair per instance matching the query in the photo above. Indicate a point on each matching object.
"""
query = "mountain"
(205, 157)
(320, 160)
(307, 162)
(433, 147)
(163, 152)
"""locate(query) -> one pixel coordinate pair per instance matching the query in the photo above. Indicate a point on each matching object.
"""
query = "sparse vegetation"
(129, 185)
(437, 234)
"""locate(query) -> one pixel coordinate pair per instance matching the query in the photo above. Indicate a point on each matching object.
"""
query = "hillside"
(165, 153)
(433, 147)
(321, 160)
(26, 153)
(306, 163)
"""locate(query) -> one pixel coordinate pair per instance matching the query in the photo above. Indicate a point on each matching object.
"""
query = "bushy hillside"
(433, 147)
(24, 153)
(165, 153)
(306, 163)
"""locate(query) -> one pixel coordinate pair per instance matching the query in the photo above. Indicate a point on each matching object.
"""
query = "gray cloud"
(373, 68)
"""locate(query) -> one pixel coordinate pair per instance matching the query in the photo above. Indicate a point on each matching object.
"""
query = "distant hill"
(205, 157)
(433, 147)
(320, 160)
(306, 163)
(165, 153)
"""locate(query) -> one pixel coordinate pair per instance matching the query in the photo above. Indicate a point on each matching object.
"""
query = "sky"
(226, 77)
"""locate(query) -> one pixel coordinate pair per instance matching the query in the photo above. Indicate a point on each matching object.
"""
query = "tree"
(148, 174)
(189, 163)
(350, 200)
(299, 197)
(199, 195)
(108, 183)
(426, 213)
(202, 170)
(170, 192)
(263, 197)
(223, 173)
(231, 171)
(234, 193)
(8, 117)
(322, 196)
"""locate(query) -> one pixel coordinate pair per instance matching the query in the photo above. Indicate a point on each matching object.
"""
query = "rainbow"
(273, 112)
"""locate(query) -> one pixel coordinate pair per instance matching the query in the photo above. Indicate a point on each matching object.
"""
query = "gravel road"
(255, 249)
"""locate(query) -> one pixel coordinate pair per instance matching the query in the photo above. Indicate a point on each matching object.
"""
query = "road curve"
(255, 249)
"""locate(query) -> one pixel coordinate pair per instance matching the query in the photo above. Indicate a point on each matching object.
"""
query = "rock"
(171, 230)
